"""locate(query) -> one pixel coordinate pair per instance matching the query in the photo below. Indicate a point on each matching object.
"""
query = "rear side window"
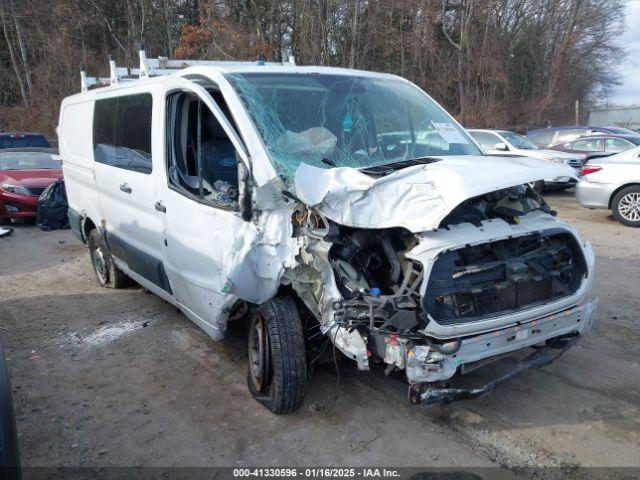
(617, 145)
(542, 138)
(588, 145)
(122, 132)
(21, 141)
(487, 140)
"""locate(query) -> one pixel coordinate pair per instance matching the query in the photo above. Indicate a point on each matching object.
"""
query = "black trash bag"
(52, 208)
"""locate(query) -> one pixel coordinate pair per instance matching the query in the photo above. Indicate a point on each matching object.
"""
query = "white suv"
(325, 206)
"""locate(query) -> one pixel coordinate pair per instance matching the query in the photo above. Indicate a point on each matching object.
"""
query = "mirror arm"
(246, 209)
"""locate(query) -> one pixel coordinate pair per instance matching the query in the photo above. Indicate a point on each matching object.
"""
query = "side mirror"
(244, 201)
(501, 146)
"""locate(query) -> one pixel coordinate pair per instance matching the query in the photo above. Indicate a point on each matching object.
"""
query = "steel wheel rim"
(258, 354)
(629, 207)
(100, 264)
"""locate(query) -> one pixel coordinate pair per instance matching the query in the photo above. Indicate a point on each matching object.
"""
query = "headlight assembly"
(17, 189)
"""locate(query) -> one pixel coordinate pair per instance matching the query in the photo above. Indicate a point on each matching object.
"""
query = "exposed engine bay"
(509, 204)
(376, 296)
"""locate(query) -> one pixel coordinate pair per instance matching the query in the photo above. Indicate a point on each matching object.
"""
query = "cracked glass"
(329, 120)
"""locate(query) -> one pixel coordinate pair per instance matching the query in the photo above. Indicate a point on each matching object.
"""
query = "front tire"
(277, 373)
(107, 273)
(626, 206)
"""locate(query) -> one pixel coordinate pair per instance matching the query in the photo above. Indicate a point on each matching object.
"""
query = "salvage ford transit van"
(323, 205)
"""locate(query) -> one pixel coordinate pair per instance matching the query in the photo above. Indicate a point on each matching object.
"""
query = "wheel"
(277, 373)
(626, 206)
(107, 273)
(5, 221)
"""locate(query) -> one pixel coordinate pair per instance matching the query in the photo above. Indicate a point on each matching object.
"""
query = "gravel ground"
(119, 378)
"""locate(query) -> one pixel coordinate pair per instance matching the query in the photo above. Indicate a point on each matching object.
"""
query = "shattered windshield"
(345, 121)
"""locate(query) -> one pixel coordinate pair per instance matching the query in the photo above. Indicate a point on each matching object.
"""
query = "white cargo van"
(326, 206)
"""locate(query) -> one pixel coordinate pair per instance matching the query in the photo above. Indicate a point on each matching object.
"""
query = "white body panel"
(76, 149)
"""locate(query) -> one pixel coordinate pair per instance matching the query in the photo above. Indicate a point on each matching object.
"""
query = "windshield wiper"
(391, 167)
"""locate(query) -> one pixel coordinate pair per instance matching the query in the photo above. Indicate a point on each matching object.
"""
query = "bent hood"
(419, 197)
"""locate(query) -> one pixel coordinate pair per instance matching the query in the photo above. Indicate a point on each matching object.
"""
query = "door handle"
(160, 207)
(125, 188)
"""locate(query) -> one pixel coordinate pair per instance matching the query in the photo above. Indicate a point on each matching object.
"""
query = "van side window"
(542, 138)
(122, 132)
(202, 161)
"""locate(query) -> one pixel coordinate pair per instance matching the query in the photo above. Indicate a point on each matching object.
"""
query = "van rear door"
(122, 141)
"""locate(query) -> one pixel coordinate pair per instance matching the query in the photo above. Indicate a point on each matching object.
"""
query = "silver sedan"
(613, 183)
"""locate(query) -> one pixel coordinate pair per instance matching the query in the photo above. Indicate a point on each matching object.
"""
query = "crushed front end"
(499, 274)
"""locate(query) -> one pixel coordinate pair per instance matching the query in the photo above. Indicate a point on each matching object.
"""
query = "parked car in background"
(613, 183)
(24, 175)
(615, 130)
(504, 142)
(23, 140)
(596, 146)
(545, 137)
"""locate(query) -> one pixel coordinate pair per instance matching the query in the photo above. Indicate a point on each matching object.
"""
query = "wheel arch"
(307, 317)
(617, 190)
(86, 225)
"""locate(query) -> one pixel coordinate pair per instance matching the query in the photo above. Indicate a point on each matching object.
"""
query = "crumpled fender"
(419, 197)
(263, 248)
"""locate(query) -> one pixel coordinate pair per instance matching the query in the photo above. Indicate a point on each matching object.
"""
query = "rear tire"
(626, 206)
(107, 273)
(277, 373)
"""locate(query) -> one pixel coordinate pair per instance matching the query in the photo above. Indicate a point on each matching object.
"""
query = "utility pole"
(577, 112)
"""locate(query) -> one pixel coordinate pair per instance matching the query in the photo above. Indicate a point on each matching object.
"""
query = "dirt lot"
(104, 377)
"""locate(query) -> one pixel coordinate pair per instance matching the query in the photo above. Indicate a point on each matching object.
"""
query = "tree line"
(491, 63)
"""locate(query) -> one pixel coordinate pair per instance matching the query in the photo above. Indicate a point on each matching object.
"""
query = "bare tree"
(4, 14)
(503, 63)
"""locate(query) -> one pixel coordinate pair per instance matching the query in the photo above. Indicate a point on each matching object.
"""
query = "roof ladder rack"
(153, 67)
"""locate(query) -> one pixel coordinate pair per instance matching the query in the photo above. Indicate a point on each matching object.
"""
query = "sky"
(628, 93)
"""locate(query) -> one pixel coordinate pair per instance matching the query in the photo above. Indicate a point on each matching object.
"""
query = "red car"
(24, 174)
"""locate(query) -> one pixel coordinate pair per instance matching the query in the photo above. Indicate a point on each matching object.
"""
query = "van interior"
(202, 160)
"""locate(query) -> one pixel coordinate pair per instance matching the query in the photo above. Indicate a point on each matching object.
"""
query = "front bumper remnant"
(427, 394)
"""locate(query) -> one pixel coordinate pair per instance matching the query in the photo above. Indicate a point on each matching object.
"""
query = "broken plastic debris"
(227, 287)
